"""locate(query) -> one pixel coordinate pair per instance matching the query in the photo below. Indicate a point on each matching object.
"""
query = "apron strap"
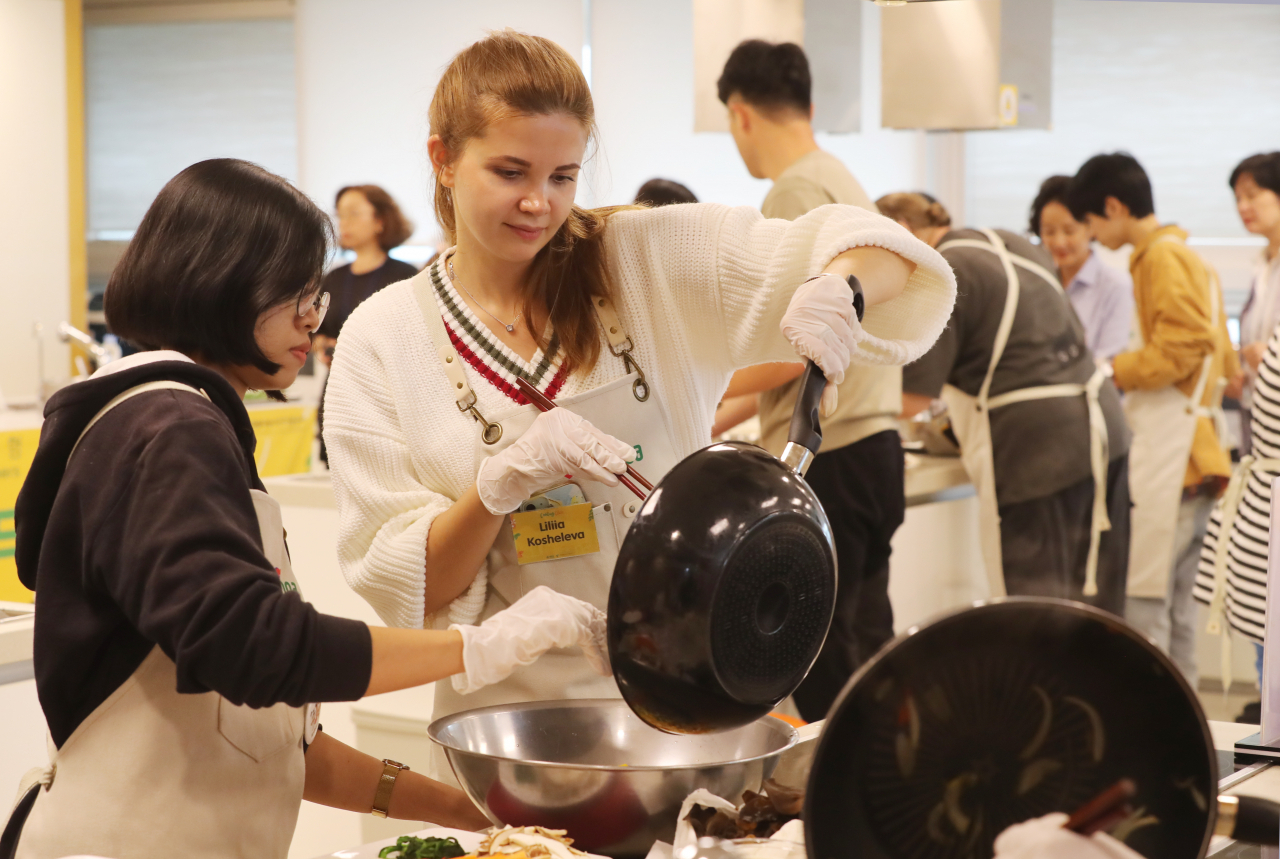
(1099, 455)
(997, 247)
(1099, 458)
(1230, 508)
(158, 385)
(619, 344)
(1020, 261)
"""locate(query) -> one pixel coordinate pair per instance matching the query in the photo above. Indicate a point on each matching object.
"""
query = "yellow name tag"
(554, 533)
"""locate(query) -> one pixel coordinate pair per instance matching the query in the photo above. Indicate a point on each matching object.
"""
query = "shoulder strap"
(998, 248)
(158, 385)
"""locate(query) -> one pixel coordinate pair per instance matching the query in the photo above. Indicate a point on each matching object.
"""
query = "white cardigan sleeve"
(385, 512)
(734, 266)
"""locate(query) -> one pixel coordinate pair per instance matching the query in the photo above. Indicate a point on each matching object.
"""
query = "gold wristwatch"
(382, 799)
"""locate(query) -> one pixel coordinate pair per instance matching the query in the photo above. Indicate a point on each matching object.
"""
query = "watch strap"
(386, 783)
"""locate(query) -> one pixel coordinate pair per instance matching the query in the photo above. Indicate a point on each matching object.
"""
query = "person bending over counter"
(858, 474)
(1101, 295)
(1173, 375)
(632, 320)
(1040, 426)
(178, 667)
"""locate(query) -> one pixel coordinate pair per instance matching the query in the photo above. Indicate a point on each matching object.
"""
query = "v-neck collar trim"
(489, 348)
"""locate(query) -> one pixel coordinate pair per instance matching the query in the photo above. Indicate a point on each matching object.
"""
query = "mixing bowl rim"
(437, 727)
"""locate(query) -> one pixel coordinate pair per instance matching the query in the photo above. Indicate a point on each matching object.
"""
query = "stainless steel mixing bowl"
(594, 768)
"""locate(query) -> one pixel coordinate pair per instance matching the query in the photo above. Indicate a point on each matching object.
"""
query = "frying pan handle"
(1255, 820)
(805, 436)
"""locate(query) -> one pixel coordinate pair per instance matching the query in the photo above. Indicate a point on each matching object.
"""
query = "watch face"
(312, 724)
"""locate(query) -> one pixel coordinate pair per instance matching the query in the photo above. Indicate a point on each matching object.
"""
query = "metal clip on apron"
(620, 408)
(230, 776)
(971, 419)
(1163, 422)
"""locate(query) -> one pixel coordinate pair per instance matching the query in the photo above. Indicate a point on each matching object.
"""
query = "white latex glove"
(532, 625)
(821, 324)
(1044, 838)
(559, 445)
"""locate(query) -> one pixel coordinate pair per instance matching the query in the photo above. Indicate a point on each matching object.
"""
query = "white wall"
(366, 74)
(160, 97)
(33, 174)
(362, 120)
(1189, 88)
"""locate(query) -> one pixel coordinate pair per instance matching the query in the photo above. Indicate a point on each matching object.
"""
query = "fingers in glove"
(830, 399)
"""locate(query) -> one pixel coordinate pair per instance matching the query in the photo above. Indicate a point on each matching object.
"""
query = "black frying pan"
(1005, 712)
(724, 587)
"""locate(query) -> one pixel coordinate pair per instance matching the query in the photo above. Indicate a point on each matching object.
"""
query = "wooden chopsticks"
(545, 405)
(1104, 810)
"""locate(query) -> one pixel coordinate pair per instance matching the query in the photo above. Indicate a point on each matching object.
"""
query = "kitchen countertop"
(17, 628)
(1262, 780)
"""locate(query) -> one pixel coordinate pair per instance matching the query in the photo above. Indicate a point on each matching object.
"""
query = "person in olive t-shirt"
(858, 473)
(1044, 482)
(370, 224)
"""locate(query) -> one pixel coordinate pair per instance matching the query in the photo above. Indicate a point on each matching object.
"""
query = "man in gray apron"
(858, 473)
(1040, 426)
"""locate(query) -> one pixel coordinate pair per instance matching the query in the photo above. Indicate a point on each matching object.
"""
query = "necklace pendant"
(511, 327)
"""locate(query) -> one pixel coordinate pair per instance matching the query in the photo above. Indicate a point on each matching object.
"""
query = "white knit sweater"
(701, 290)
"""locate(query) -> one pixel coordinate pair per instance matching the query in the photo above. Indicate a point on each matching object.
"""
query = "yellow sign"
(1008, 105)
(554, 533)
(17, 450)
(285, 435)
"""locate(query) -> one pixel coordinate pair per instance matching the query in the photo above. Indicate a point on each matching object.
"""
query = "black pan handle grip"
(806, 427)
(1257, 821)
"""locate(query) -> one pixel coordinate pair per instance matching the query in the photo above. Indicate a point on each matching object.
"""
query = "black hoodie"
(149, 537)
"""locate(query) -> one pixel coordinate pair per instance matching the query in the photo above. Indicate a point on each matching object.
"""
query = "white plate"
(470, 842)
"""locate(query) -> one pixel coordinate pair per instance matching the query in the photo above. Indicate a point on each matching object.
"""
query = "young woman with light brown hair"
(632, 319)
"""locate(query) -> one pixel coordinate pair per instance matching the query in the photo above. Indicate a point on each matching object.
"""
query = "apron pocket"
(259, 733)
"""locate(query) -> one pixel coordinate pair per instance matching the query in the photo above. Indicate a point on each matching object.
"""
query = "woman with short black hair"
(177, 665)
(1101, 295)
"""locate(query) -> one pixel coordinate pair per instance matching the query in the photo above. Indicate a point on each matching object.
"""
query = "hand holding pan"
(1006, 712)
(724, 586)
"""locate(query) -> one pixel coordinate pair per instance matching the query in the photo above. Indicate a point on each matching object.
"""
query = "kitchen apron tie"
(231, 777)
(622, 408)
(971, 421)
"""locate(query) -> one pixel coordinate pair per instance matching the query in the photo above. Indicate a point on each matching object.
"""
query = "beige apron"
(154, 774)
(622, 408)
(1163, 422)
(971, 421)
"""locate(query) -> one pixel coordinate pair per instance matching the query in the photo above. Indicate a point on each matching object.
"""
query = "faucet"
(68, 333)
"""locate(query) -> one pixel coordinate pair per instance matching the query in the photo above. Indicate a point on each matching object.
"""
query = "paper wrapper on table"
(786, 843)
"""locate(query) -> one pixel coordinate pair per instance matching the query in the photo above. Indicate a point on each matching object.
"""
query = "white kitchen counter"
(17, 626)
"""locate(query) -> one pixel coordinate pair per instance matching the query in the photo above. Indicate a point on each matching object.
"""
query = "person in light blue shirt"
(1101, 295)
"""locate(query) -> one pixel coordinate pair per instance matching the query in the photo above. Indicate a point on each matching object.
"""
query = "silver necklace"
(453, 276)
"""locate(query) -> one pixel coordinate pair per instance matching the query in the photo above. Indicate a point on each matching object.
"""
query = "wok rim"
(437, 727)
(1081, 609)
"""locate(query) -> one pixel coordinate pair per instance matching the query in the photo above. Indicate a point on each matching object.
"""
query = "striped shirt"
(1246, 594)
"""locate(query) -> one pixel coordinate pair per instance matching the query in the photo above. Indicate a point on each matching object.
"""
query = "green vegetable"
(411, 847)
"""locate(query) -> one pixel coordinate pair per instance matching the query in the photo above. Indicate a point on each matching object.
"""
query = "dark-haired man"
(1171, 375)
(858, 473)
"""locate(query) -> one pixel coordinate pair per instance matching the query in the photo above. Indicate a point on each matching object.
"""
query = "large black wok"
(724, 587)
(1005, 712)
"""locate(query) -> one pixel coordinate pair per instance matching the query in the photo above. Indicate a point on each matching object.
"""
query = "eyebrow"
(522, 163)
